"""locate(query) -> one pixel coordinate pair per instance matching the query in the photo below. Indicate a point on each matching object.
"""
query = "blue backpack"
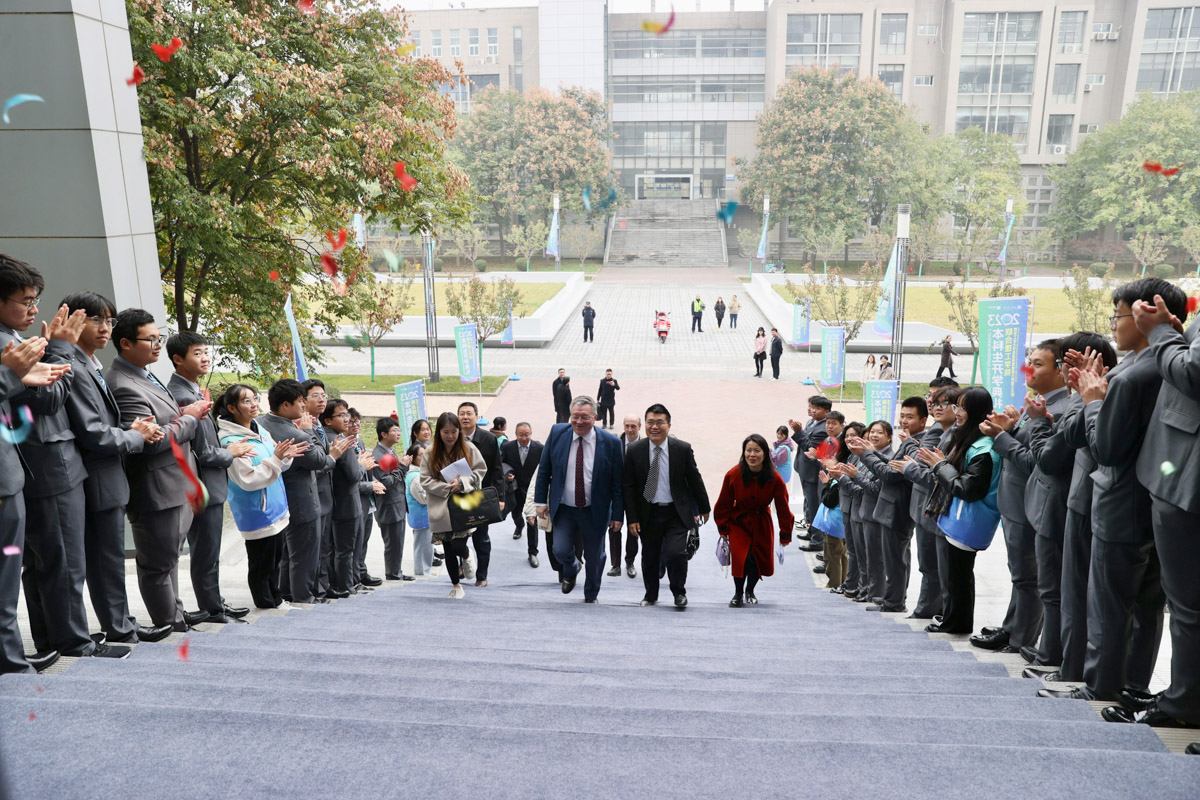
(974, 524)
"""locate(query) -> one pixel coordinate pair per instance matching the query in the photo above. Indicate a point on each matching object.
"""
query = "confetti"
(274, 275)
(389, 463)
(39, 689)
(329, 264)
(658, 27)
(407, 182)
(32, 716)
(165, 51)
(407, 48)
(393, 261)
(337, 243)
(308, 7)
(1152, 166)
(827, 449)
(587, 190)
(139, 75)
(22, 431)
(1172, 170)
(339, 288)
(1192, 304)
(18, 99)
(1027, 371)
(12, 550)
(727, 211)
(1167, 468)
(197, 493)
(184, 647)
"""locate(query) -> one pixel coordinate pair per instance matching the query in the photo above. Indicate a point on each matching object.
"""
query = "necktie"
(157, 382)
(652, 477)
(580, 494)
(320, 434)
(524, 452)
(100, 377)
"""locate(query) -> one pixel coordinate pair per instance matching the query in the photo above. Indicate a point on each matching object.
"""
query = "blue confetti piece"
(21, 432)
(587, 197)
(18, 99)
(392, 260)
(726, 213)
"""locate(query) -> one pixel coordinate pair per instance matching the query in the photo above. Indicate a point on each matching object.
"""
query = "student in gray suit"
(368, 489)
(289, 420)
(158, 510)
(810, 436)
(848, 495)
(391, 508)
(349, 470)
(104, 443)
(1023, 621)
(19, 367)
(188, 352)
(879, 439)
(315, 400)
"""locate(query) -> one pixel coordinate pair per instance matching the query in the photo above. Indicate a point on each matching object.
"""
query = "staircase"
(521, 692)
(668, 233)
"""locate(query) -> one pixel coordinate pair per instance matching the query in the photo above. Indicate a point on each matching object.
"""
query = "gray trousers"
(1179, 551)
(1049, 551)
(423, 549)
(1077, 562)
(929, 602)
(392, 534)
(1124, 616)
(104, 548)
(812, 504)
(158, 539)
(12, 534)
(897, 564)
(303, 549)
(325, 573)
(852, 580)
(54, 569)
(1024, 618)
(873, 545)
(204, 544)
(346, 533)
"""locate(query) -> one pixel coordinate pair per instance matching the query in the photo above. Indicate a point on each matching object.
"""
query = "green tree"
(267, 128)
(485, 302)
(471, 243)
(581, 239)
(747, 239)
(529, 239)
(927, 243)
(1090, 296)
(1147, 248)
(825, 242)
(878, 244)
(380, 305)
(986, 171)
(837, 301)
(485, 147)
(1189, 240)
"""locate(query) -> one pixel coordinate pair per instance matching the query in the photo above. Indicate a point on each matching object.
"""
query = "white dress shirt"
(663, 493)
(589, 458)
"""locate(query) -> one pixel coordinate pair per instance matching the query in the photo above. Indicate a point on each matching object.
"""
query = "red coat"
(743, 513)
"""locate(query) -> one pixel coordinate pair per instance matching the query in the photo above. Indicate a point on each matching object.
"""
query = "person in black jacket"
(468, 416)
(971, 481)
(561, 389)
(523, 455)
(776, 352)
(589, 321)
(606, 397)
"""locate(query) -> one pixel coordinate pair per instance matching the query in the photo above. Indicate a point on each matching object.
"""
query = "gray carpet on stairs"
(522, 692)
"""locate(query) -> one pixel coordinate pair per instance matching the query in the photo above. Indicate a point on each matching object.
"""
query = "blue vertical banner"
(466, 343)
(801, 317)
(762, 240)
(506, 336)
(887, 301)
(1003, 257)
(552, 239)
(1003, 326)
(880, 399)
(833, 356)
(410, 403)
(297, 350)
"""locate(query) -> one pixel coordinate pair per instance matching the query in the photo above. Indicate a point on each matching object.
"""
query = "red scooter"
(662, 324)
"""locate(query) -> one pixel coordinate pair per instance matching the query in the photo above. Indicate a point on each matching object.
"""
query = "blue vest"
(253, 511)
(418, 512)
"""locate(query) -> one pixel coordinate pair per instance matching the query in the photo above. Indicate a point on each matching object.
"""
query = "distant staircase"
(667, 233)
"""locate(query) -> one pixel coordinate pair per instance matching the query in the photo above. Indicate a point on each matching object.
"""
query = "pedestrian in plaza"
(870, 372)
(391, 508)
(562, 396)
(606, 395)
(743, 517)
(776, 352)
(760, 352)
(948, 354)
(449, 445)
(697, 315)
(589, 322)
(886, 373)
(735, 306)
(719, 310)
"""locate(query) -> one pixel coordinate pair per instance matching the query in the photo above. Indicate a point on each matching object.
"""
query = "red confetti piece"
(1172, 170)
(407, 182)
(12, 550)
(308, 7)
(1152, 166)
(395, 416)
(1027, 371)
(32, 716)
(338, 243)
(40, 689)
(1192, 304)
(329, 264)
(827, 449)
(389, 462)
(165, 51)
(339, 288)
(184, 647)
(659, 28)
(274, 275)
(139, 75)
(197, 494)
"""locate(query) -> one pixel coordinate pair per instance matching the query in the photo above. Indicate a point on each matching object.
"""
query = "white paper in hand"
(459, 469)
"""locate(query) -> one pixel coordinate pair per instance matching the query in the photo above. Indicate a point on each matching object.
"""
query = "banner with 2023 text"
(1003, 328)
(833, 356)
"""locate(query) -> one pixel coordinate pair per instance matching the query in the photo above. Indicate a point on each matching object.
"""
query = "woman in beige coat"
(447, 446)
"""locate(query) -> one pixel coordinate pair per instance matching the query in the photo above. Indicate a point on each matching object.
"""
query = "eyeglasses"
(955, 408)
(586, 418)
(103, 322)
(248, 401)
(657, 423)
(1112, 321)
(155, 341)
(29, 304)
(318, 397)
(341, 416)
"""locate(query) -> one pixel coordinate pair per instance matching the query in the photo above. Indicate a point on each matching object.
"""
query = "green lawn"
(852, 392)
(533, 295)
(363, 383)
(935, 268)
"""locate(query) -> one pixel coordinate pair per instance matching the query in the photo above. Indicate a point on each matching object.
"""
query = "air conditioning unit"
(1112, 37)
(1100, 37)
(1058, 149)
(1072, 48)
(1087, 87)
(491, 59)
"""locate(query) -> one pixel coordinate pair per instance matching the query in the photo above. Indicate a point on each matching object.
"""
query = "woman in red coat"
(743, 516)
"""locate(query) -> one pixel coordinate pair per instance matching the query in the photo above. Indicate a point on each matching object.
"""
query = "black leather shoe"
(736, 602)
(111, 651)
(533, 561)
(568, 584)
(1192, 749)
(915, 615)
(371, 580)
(43, 660)
(437, 562)
(1152, 715)
(1135, 700)
(993, 641)
(1041, 673)
(99, 638)
(615, 572)
(681, 601)
(391, 577)
(646, 602)
(1008, 648)
(986, 631)
(592, 601)
(934, 627)
(180, 627)
(812, 548)
(133, 637)
(408, 577)
(1078, 693)
(820, 556)
(195, 617)
(630, 570)
(1029, 653)
(751, 599)
(516, 534)
(819, 569)
(220, 619)
(155, 633)
(337, 595)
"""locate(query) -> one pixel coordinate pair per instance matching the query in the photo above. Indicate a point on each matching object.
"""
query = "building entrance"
(664, 187)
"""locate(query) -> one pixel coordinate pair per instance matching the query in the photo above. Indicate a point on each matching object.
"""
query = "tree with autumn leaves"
(267, 127)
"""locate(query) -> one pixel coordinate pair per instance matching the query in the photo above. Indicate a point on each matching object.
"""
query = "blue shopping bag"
(829, 522)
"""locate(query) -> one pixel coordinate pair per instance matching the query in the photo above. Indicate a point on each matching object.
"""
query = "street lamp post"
(431, 336)
(900, 287)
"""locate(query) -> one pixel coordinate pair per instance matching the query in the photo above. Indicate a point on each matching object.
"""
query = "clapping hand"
(306, 422)
(242, 449)
(406, 460)
(858, 445)
(903, 433)
(931, 456)
(65, 325)
(148, 428)
(197, 409)
(378, 488)
(1092, 387)
(367, 460)
(898, 465)
(848, 469)
(340, 445)
(823, 476)
(1036, 409)
(1148, 316)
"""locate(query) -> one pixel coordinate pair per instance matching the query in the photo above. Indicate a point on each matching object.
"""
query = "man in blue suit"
(579, 488)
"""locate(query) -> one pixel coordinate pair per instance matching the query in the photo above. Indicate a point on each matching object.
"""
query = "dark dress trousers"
(891, 511)
(347, 515)
(12, 534)
(606, 398)
(324, 480)
(489, 448)
(807, 469)
(929, 601)
(510, 453)
(391, 511)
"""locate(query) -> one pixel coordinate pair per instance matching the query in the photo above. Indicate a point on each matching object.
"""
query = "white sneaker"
(457, 593)
(469, 569)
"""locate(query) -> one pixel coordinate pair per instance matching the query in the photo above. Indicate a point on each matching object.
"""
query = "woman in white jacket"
(256, 495)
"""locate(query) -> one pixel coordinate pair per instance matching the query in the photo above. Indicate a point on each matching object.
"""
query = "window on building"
(1009, 120)
(1163, 23)
(712, 138)
(922, 80)
(996, 74)
(518, 59)
(435, 43)
(1065, 83)
(654, 139)
(825, 40)
(461, 92)
(1003, 27)
(1058, 130)
(482, 82)
(455, 43)
(892, 76)
(642, 44)
(893, 33)
(493, 41)
(1070, 31)
(927, 30)
(1101, 27)
(1094, 79)
(732, 43)
(1170, 58)
(416, 40)
(688, 89)
(472, 41)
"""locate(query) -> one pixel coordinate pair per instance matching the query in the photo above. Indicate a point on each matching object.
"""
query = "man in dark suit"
(104, 443)
(158, 510)
(664, 498)
(315, 400)
(289, 420)
(523, 454)
(188, 352)
(391, 508)
(589, 322)
(561, 389)
(632, 425)
(349, 470)
(776, 353)
(807, 437)
(368, 490)
(579, 489)
(607, 397)
(468, 417)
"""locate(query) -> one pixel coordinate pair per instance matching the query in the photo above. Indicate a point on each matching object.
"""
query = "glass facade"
(1058, 130)
(825, 40)
(996, 71)
(751, 43)
(892, 76)
(1065, 84)
(518, 58)
(1170, 57)
(1071, 25)
(687, 88)
(893, 34)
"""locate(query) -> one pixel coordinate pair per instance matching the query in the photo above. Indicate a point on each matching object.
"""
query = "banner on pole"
(887, 301)
(801, 318)
(1003, 257)
(297, 350)
(762, 240)
(881, 399)
(1003, 323)
(410, 403)
(506, 336)
(552, 239)
(466, 343)
(833, 342)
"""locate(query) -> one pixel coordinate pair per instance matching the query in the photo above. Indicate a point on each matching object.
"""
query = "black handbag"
(693, 543)
(485, 512)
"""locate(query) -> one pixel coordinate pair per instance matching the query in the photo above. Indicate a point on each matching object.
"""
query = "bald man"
(633, 432)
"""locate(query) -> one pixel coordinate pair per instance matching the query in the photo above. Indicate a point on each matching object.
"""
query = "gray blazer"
(1121, 506)
(813, 434)
(1172, 435)
(102, 440)
(347, 475)
(156, 482)
(891, 510)
(922, 480)
(212, 459)
(391, 507)
(12, 472)
(1020, 492)
(300, 479)
(51, 459)
(1062, 446)
(1050, 482)
(871, 487)
(324, 478)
